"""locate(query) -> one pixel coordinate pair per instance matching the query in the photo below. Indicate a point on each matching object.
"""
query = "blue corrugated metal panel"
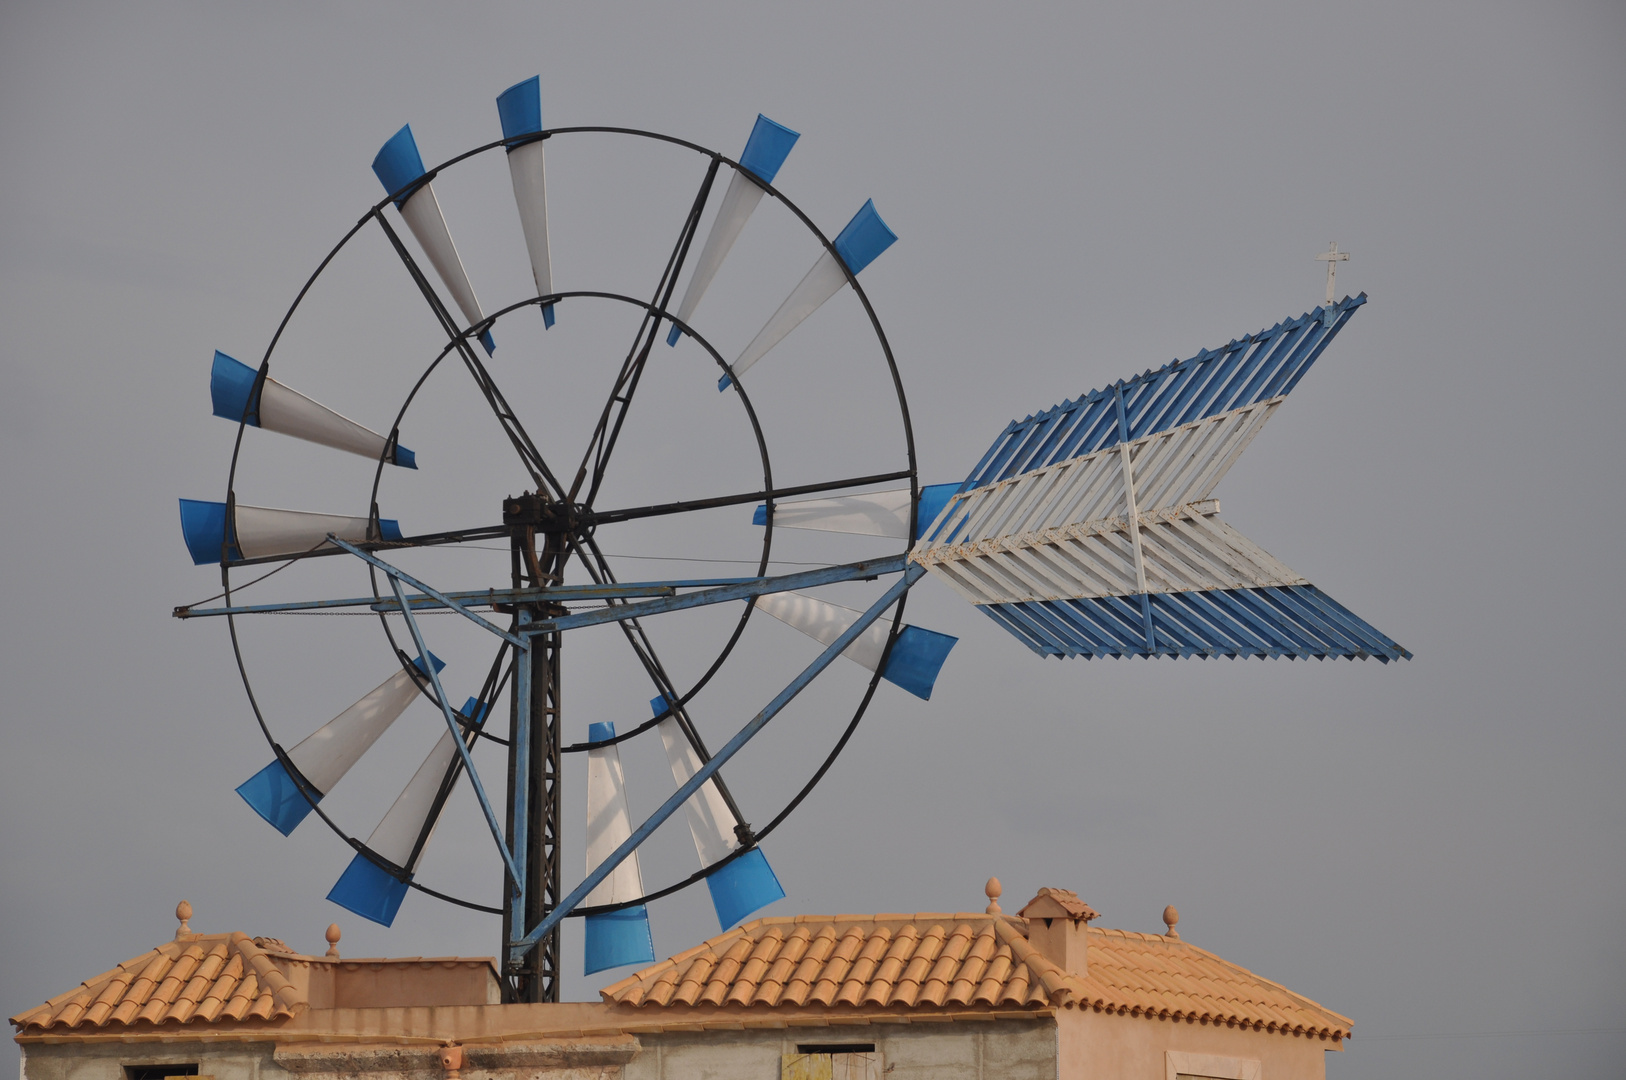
(1246, 371)
(1295, 621)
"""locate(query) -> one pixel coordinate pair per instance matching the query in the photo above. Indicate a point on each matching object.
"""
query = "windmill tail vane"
(1090, 529)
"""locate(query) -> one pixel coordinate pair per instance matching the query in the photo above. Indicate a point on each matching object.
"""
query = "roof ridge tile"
(1060, 985)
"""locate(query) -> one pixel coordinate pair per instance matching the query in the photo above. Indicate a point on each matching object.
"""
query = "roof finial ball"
(183, 912)
(1171, 918)
(994, 890)
(332, 936)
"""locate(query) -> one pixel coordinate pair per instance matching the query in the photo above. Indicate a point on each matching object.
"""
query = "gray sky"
(1432, 848)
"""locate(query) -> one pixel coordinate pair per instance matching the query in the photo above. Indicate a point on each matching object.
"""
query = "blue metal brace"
(396, 577)
(518, 949)
(455, 728)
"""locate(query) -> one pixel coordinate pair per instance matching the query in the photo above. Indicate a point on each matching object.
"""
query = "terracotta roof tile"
(196, 978)
(928, 961)
(1066, 899)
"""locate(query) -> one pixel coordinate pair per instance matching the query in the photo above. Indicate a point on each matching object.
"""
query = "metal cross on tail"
(1332, 257)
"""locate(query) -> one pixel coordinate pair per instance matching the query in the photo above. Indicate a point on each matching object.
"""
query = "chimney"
(1056, 921)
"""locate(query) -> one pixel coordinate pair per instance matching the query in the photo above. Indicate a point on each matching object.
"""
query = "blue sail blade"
(369, 890)
(916, 658)
(276, 797)
(745, 885)
(616, 939)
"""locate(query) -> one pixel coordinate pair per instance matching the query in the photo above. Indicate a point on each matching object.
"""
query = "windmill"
(1086, 530)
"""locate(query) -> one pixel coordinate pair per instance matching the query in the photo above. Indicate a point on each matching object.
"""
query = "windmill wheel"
(567, 510)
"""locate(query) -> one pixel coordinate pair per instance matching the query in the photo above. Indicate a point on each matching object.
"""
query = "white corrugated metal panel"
(1185, 549)
(1129, 519)
(1170, 468)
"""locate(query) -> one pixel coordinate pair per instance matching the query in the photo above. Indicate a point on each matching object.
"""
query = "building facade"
(1039, 995)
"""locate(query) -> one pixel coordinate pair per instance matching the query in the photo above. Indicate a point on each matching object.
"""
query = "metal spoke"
(866, 570)
(521, 439)
(644, 649)
(632, 368)
(601, 517)
(437, 539)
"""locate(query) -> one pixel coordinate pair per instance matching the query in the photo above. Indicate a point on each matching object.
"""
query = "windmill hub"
(536, 513)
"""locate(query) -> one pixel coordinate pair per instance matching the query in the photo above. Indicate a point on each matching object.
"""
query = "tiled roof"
(197, 977)
(927, 961)
(1157, 976)
(854, 960)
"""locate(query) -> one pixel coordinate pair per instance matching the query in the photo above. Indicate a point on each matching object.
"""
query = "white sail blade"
(373, 891)
(824, 622)
(609, 823)
(238, 394)
(819, 284)
(520, 110)
(865, 237)
(423, 216)
(710, 821)
(765, 151)
(261, 531)
(292, 413)
(739, 201)
(399, 167)
(917, 656)
(323, 757)
(397, 834)
(747, 883)
(621, 937)
(874, 513)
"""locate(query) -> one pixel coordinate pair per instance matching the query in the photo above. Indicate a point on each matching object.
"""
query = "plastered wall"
(1005, 1049)
(106, 1060)
(1095, 1046)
